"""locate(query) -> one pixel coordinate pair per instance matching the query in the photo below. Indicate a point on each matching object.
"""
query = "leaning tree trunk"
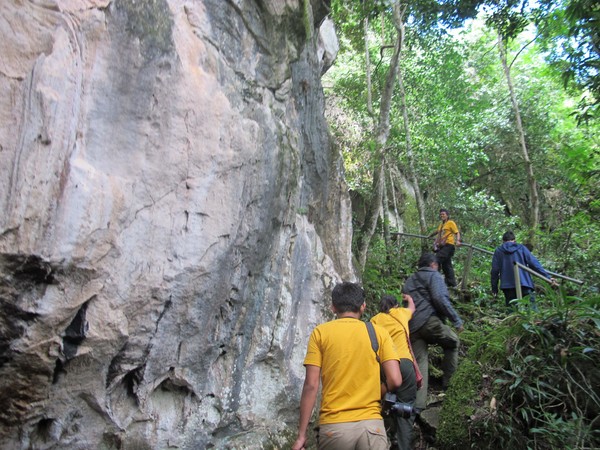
(382, 134)
(534, 212)
(397, 214)
(386, 216)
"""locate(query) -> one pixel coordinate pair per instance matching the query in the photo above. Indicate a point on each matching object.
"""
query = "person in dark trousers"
(427, 327)
(340, 356)
(447, 238)
(503, 263)
(395, 320)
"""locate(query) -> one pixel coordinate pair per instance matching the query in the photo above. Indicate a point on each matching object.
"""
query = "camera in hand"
(391, 405)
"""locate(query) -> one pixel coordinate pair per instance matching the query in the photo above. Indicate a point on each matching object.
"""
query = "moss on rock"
(151, 22)
(459, 406)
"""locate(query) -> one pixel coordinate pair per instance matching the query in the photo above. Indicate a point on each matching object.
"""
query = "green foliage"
(385, 273)
(466, 152)
(458, 405)
(538, 388)
(571, 32)
(508, 18)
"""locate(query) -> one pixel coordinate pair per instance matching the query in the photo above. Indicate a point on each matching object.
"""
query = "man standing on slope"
(503, 263)
(427, 327)
(447, 238)
(341, 356)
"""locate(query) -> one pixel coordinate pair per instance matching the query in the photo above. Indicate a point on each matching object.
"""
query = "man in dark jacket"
(427, 327)
(503, 263)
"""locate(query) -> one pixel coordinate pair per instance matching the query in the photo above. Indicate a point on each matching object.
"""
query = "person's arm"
(532, 262)
(456, 232)
(410, 301)
(440, 299)
(393, 377)
(434, 232)
(307, 403)
(388, 355)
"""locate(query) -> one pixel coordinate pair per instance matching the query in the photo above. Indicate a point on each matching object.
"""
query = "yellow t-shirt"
(390, 321)
(449, 229)
(349, 370)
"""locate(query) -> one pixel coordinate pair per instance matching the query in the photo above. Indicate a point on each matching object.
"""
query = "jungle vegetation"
(491, 110)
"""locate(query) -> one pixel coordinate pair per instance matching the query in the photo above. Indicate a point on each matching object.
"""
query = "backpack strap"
(375, 347)
(373, 337)
(422, 286)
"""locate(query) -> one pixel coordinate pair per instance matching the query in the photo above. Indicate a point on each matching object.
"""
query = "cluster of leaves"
(571, 31)
(529, 381)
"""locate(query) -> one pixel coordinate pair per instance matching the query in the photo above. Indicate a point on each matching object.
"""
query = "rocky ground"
(427, 423)
(425, 428)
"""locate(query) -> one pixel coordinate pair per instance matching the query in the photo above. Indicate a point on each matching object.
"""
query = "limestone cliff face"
(173, 220)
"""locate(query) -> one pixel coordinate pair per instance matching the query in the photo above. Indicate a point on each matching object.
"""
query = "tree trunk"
(409, 152)
(534, 212)
(394, 200)
(386, 214)
(368, 68)
(381, 137)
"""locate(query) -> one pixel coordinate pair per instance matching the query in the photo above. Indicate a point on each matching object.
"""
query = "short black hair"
(508, 236)
(347, 297)
(445, 210)
(387, 302)
(426, 259)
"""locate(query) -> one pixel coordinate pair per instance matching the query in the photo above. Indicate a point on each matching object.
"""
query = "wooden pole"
(518, 281)
(467, 268)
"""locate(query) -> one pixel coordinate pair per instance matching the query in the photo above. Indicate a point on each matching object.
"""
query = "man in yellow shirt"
(447, 238)
(341, 357)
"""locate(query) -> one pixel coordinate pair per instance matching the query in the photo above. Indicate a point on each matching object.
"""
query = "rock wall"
(173, 219)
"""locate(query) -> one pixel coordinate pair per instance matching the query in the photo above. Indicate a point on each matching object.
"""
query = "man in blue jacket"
(503, 263)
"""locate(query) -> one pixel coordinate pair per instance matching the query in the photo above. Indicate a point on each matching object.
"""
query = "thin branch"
(523, 48)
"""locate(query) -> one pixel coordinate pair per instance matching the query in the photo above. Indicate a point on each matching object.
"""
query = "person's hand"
(458, 243)
(300, 443)
(460, 329)
(553, 282)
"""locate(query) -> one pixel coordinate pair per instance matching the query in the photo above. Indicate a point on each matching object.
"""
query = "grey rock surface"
(174, 217)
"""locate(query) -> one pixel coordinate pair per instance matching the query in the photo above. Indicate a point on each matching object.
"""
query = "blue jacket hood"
(509, 247)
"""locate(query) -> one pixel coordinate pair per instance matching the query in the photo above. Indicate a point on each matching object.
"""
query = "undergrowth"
(527, 379)
(538, 385)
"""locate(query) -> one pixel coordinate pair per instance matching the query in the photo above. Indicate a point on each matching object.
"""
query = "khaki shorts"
(361, 435)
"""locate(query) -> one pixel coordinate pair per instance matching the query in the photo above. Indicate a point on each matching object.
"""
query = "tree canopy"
(465, 144)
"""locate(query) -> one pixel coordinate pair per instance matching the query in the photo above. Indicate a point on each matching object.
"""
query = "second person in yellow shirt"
(395, 320)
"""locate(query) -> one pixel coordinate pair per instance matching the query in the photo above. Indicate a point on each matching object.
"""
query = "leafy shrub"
(539, 387)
